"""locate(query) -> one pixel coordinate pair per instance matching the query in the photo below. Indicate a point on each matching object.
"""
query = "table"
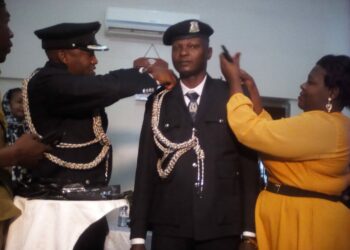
(54, 224)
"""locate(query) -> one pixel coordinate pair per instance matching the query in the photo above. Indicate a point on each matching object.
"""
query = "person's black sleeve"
(144, 181)
(71, 94)
(250, 180)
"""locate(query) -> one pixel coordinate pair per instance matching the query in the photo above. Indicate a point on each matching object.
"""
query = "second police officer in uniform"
(66, 97)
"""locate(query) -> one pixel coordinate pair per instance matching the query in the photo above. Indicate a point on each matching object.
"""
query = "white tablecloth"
(54, 224)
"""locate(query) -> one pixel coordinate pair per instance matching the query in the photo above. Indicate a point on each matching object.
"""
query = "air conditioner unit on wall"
(142, 23)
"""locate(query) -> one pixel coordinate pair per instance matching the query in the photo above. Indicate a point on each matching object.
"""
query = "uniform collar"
(198, 89)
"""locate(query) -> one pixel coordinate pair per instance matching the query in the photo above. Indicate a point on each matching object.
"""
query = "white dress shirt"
(198, 89)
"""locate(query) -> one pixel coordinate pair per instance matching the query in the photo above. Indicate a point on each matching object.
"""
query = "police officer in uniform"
(65, 101)
(195, 185)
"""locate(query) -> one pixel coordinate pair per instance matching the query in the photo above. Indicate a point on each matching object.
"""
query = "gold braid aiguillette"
(177, 149)
(100, 137)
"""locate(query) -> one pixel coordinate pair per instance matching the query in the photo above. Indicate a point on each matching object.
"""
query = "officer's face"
(80, 62)
(190, 56)
(5, 34)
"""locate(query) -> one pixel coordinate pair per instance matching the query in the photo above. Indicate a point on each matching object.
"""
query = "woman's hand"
(247, 79)
(235, 76)
(232, 73)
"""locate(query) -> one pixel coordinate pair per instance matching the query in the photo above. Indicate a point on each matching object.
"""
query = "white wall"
(280, 41)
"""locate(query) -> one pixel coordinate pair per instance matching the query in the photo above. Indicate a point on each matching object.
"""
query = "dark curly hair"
(337, 76)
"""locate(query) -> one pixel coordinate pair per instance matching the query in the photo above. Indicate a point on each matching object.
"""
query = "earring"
(329, 105)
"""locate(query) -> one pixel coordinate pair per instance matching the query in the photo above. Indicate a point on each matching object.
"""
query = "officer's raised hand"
(165, 77)
(159, 70)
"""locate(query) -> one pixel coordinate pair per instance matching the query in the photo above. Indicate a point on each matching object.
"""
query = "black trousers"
(160, 242)
(94, 236)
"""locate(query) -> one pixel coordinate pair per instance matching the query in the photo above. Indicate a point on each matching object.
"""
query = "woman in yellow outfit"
(307, 157)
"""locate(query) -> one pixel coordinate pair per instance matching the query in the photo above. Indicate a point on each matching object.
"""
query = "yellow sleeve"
(303, 137)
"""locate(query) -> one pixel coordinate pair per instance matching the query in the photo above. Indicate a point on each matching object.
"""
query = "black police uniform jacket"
(60, 101)
(172, 206)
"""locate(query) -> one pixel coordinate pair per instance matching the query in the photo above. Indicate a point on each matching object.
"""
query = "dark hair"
(11, 92)
(337, 76)
(2, 3)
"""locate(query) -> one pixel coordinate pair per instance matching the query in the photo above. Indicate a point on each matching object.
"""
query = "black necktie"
(192, 105)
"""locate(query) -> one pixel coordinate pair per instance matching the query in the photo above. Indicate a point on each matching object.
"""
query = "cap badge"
(194, 27)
